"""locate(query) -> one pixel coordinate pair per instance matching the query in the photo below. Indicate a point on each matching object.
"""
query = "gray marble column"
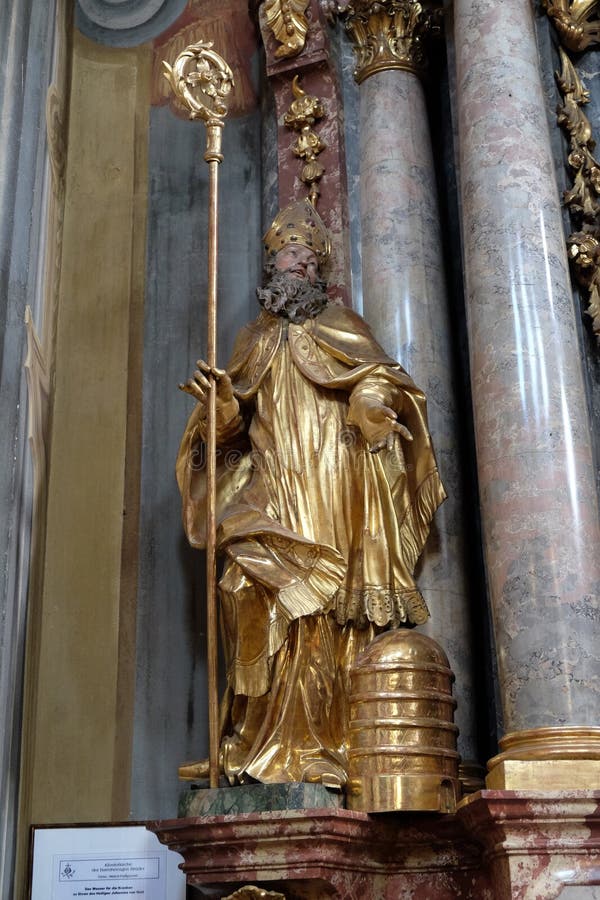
(27, 41)
(538, 496)
(405, 301)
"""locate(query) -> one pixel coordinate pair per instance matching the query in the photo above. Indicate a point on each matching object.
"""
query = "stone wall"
(32, 46)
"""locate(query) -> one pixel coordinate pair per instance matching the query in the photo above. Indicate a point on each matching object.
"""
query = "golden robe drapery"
(320, 535)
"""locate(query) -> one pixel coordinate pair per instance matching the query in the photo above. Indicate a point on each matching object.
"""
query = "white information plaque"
(126, 861)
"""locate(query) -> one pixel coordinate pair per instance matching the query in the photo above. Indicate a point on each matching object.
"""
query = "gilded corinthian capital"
(389, 34)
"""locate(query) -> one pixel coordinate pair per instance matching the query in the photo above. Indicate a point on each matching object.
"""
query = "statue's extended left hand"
(379, 425)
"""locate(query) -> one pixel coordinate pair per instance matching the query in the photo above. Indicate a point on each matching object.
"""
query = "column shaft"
(538, 496)
(405, 302)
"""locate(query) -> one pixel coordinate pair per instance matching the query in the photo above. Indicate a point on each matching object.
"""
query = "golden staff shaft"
(211, 492)
(201, 79)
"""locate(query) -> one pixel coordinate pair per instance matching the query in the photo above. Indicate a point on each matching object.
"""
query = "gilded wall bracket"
(391, 34)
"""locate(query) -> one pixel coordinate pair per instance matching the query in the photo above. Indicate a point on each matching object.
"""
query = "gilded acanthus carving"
(390, 34)
(584, 253)
(303, 113)
(582, 199)
(578, 27)
(576, 22)
(287, 20)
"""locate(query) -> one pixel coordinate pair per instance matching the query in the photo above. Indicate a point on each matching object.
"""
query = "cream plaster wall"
(78, 728)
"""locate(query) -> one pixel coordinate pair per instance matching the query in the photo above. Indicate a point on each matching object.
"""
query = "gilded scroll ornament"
(203, 88)
(576, 22)
(583, 198)
(287, 20)
(201, 81)
(303, 113)
(219, 21)
(390, 34)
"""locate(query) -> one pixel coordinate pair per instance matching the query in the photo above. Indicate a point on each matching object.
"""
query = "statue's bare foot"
(198, 771)
(325, 772)
(194, 771)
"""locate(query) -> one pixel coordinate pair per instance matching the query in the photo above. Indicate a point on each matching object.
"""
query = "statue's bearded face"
(298, 261)
(292, 287)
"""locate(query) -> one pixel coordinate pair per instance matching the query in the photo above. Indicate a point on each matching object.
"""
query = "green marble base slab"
(253, 798)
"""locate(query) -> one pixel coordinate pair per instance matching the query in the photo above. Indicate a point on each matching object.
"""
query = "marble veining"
(405, 300)
(535, 466)
(501, 845)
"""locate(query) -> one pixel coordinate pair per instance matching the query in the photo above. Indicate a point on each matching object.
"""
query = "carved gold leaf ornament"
(305, 110)
(250, 892)
(583, 198)
(303, 113)
(576, 22)
(584, 254)
(289, 24)
(578, 26)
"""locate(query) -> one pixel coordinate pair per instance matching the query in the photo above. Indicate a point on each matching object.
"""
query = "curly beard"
(292, 298)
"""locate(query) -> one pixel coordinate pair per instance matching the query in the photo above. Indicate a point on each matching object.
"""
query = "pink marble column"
(536, 477)
(405, 303)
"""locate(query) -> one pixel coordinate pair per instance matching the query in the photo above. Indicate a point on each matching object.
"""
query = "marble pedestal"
(256, 798)
(537, 845)
(499, 845)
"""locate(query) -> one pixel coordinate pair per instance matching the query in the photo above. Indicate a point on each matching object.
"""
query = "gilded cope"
(327, 484)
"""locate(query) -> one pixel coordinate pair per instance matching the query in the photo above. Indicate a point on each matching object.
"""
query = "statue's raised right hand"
(199, 385)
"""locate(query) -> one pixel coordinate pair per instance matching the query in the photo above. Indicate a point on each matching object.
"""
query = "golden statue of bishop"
(326, 488)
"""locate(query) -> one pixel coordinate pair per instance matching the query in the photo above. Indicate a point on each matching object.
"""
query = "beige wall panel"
(79, 696)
